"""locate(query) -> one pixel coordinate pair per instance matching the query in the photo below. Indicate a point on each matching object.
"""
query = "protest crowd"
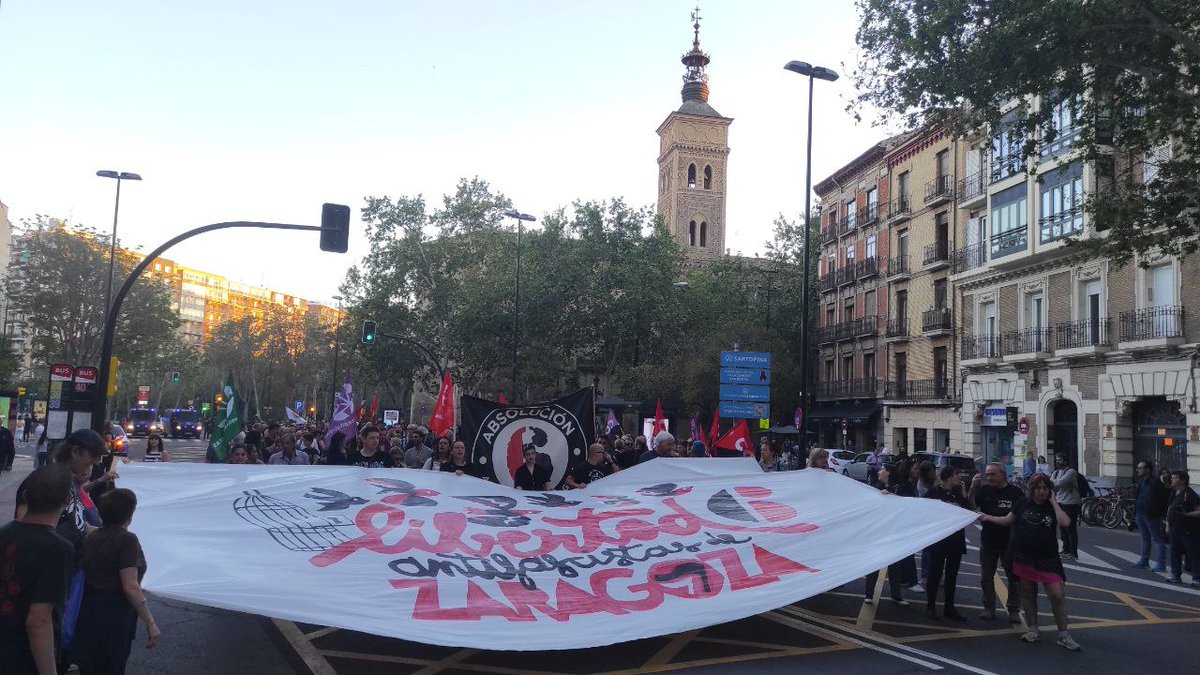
(76, 567)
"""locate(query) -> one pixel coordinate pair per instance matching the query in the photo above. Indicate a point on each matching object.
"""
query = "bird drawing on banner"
(404, 492)
(551, 501)
(664, 490)
(333, 500)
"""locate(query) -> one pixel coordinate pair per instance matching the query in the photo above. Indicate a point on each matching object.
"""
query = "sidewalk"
(11, 480)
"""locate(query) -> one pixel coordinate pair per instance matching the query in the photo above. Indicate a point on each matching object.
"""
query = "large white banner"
(667, 546)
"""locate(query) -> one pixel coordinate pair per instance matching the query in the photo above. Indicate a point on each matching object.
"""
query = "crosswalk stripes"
(1089, 559)
(1131, 557)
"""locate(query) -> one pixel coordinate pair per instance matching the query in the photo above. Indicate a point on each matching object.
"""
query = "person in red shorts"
(1035, 520)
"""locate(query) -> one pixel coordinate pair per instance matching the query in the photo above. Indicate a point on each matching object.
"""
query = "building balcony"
(1085, 337)
(897, 330)
(846, 275)
(860, 388)
(968, 258)
(972, 192)
(829, 233)
(866, 268)
(939, 191)
(899, 210)
(848, 225)
(937, 255)
(828, 282)
(851, 329)
(898, 268)
(935, 322)
(868, 215)
(1007, 243)
(1152, 328)
(981, 350)
(866, 326)
(1028, 344)
(911, 391)
(827, 334)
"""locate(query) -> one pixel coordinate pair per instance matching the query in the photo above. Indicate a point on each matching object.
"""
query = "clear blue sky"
(263, 110)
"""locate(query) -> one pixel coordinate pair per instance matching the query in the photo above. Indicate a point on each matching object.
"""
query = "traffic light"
(114, 364)
(175, 377)
(368, 336)
(335, 228)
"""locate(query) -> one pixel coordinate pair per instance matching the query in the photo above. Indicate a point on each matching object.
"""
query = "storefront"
(998, 426)
(847, 425)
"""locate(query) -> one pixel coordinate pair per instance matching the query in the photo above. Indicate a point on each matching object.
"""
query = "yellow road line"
(452, 660)
(672, 648)
(1136, 606)
(303, 648)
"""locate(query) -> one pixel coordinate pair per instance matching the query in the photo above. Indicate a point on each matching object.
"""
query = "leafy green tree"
(57, 280)
(10, 362)
(1126, 71)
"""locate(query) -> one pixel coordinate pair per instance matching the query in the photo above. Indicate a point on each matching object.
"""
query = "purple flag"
(612, 423)
(343, 414)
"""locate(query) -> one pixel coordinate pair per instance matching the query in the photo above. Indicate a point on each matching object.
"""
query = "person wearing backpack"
(1067, 494)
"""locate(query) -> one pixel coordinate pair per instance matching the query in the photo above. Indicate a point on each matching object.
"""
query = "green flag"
(227, 425)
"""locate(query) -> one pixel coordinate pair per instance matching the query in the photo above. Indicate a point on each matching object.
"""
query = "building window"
(870, 253)
(939, 294)
(941, 440)
(1154, 160)
(902, 244)
(919, 437)
(830, 315)
(829, 372)
(692, 233)
(703, 234)
(1063, 128)
(869, 303)
(849, 255)
(691, 176)
(851, 216)
(987, 320)
(848, 311)
(1006, 150)
(872, 204)
(902, 305)
(902, 186)
(1010, 221)
(939, 371)
(847, 368)
(708, 177)
(868, 369)
(1062, 203)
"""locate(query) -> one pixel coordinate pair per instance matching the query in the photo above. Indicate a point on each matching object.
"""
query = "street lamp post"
(337, 343)
(112, 244)
(521, 219)
(813, 73)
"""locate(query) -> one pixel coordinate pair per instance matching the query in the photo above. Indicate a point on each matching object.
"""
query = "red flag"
(374, 406)
(738, 440)
(503, 401)
(443, 413)
(659, 423)
(714, 431)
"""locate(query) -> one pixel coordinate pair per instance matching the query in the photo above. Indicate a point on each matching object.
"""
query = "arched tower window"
(708, 177)
(703, 234)
(692, 233)
(691, 176)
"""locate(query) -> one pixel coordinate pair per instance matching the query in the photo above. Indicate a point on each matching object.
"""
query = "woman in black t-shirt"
(1035, 520)
(946, 555)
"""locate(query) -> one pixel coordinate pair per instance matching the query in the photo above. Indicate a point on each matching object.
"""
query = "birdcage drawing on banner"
(292, 526)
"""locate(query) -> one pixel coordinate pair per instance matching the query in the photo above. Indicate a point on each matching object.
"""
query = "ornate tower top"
(695, 81)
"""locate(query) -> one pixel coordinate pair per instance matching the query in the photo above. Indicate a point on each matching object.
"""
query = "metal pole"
(337, 343)
(100, 406)
(112, 248)
(517, 312)
(804, 356)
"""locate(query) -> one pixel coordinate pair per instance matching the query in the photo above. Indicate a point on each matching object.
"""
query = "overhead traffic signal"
(368, 334)
(175, 377)
(335, 228)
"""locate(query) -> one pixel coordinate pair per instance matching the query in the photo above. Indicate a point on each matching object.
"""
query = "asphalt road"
(1126, 621)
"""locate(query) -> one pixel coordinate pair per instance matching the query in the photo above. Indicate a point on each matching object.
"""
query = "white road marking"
(1131, 557)
(854, 635)
(1178, 588)
(1089, 559)
(804, 623)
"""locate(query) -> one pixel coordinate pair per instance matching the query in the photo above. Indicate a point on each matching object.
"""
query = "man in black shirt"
(34, 566)
(597, 466)
(531, 475)
(991, 493)
(370, 455)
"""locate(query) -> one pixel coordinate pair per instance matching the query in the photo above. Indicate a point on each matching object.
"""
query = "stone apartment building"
(847, 386)
(1061, 352)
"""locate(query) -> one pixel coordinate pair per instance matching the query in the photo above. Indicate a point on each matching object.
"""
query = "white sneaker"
(917, 588)
(1031, 635)
(902, 602)
(1067, 642)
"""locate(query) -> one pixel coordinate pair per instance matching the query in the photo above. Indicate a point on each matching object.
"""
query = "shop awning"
(855, 412)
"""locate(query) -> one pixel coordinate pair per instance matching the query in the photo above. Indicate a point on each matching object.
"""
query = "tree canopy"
(1125, 74)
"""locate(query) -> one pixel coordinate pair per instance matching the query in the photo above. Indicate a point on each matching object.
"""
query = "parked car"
(857, 468)
(964, 463)
(120, 442)
(839, 459)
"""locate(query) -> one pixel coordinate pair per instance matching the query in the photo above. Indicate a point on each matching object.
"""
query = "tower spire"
(695, 80)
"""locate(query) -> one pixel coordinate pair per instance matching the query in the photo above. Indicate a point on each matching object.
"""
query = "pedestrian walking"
(1150, 506)
(1066, 495)
(945, 556)
(1035, 520)
(896, 573)
(1183, 528)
